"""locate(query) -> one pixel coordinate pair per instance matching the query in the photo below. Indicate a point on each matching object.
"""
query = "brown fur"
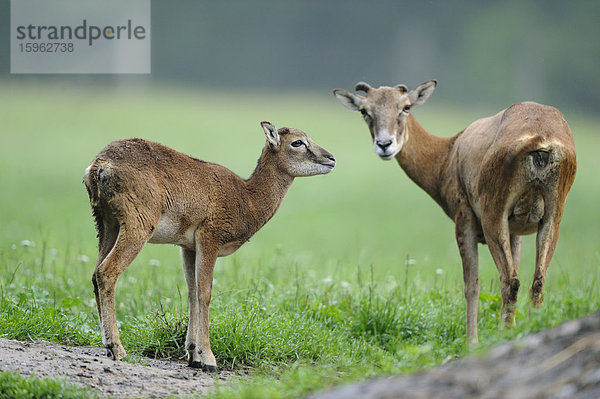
(142, 192)
(500, 178)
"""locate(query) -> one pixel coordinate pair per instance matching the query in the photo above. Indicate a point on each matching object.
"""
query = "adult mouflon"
(143, 192)
(500, 178)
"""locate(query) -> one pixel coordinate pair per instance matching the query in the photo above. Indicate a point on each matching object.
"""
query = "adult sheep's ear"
(422, 92)
(350, 100)
(363, 86)
(271, 133)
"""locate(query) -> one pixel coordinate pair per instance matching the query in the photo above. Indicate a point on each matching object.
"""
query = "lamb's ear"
(351, 100)
(422, 92)
(271, 133)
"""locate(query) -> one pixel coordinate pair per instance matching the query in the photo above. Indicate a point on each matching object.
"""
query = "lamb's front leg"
(205, 263)
(188, 258)
(198, 266)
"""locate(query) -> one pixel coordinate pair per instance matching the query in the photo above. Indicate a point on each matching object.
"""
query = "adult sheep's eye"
(365, 113)
(406, 107)
(297, 143)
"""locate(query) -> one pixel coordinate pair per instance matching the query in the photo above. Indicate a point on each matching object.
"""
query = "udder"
(526, 213)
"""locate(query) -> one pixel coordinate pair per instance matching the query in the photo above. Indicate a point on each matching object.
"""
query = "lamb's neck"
(266, 188)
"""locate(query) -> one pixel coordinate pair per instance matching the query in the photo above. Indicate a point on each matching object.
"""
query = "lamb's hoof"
(115, 352)
(209, 369)
(472, 343)
(205, 367)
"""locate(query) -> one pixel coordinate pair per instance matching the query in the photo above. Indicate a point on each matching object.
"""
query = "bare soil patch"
(89, 367)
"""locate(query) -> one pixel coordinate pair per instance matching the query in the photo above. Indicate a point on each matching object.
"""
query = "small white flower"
(327, 280)
(439, 272)
(27, 243)
(83, 258)
(411, 262)
(14, 246)
(154, 262)
(53, 252)
(345, 285)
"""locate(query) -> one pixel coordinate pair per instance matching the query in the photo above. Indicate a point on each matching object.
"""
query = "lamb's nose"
(331, 158)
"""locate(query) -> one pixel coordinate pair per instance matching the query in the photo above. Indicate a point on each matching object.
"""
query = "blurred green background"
(480, 51)
(220, 68)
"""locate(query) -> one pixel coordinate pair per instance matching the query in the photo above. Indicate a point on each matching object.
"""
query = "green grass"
(12, 385)
(357, 275)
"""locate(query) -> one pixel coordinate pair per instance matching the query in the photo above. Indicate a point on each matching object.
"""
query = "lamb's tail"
(93, 181)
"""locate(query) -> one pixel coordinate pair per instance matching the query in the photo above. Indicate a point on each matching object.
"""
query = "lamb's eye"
(365, 113)
(297, 143)
(406, 107)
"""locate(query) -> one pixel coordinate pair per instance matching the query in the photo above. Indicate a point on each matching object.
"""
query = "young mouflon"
(500, 178)
(143, 192)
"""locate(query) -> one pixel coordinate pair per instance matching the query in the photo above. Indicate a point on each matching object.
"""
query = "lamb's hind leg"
(108, 230)
(131, 239)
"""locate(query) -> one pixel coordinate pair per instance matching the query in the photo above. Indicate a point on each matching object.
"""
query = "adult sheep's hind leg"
(466, 238)
(546, 240)
(515, 248)
(495, 229)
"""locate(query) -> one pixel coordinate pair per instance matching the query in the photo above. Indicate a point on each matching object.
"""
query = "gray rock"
(560, 363)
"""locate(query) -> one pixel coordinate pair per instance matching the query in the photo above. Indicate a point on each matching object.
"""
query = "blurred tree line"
(497, 52)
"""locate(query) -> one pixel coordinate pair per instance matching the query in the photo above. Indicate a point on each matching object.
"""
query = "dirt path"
(89, 367)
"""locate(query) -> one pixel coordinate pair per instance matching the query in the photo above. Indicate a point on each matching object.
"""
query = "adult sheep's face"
(386, 110)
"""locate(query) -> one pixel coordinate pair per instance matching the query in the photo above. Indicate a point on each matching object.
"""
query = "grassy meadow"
(357, 274)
